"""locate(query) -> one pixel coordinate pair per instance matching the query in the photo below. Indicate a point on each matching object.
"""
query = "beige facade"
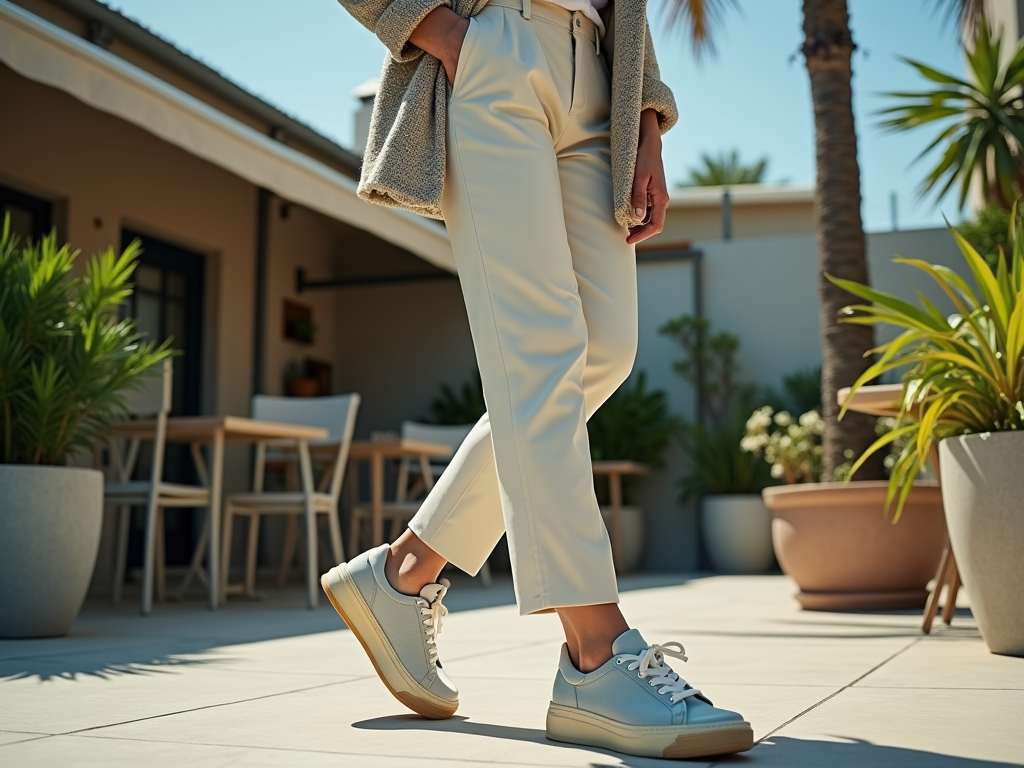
(707, 214)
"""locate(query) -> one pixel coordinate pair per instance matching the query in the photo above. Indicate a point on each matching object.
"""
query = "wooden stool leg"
(123, 517)
(949, 609)
(932, 606)
(161, 556)
(291, 530)
(250, 555)
(225, 553)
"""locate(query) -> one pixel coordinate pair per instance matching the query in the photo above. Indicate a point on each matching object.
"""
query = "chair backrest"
(151, 394)
(149, 398)
(436, 433)
(336, 414)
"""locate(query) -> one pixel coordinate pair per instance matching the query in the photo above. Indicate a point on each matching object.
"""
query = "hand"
(650, 192)
(441, 34)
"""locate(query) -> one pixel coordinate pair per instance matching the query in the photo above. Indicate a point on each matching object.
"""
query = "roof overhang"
(47, 54)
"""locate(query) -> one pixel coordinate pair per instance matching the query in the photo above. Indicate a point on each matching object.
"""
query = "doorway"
(168, 303)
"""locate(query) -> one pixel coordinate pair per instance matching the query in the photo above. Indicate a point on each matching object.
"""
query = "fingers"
(655, 221)
(638, 199)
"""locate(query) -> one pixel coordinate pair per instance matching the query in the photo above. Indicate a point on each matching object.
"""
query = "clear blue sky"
(306, 56)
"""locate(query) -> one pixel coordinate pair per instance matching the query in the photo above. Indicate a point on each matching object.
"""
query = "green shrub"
(65, 355)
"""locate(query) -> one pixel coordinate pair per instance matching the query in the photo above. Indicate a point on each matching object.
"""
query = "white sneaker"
(635, 703)
(398, 632)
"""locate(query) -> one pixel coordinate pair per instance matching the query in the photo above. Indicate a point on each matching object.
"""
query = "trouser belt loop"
(526, 9)
(579, 85)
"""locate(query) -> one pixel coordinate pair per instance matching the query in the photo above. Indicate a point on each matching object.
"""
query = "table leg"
(377, 496)
(216, 492)
(195, 567)
(306, 469)
(615, 491)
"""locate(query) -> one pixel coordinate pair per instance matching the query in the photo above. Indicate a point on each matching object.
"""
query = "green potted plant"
(632, 425)
(735, 524)
(65, 359)
(963, 391)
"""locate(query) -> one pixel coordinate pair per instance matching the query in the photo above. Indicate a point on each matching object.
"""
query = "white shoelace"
(651, 664)
(432, 613)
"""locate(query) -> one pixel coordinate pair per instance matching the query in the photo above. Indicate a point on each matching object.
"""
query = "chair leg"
(485, 574)
(122, 521)
(195, 566)
(932, 605)
(291, 532)
(949, 609)
(149, 555)
(225, 549)
(334, 525)
(353, 535)
(312, 582)
(160, 586)
(250, 555)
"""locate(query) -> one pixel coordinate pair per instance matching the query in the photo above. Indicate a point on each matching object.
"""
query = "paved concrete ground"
(272, 684)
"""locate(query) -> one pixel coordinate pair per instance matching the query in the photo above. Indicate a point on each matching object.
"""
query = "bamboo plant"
(965, 372)
(65, 354)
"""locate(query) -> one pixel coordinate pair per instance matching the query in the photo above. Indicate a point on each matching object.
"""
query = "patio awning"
(47, 54)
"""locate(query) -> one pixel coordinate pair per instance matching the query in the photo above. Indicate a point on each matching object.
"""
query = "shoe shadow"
(781, 751)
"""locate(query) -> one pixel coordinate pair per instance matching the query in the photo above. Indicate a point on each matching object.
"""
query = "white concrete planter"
(50, 519)
(983, 493)
(632, 534)
(737, 533)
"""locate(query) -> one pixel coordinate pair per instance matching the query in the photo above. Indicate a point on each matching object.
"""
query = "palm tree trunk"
(828, 49)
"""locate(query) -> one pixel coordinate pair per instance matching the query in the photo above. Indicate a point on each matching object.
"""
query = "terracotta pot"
(836, 542)
(983, 488)
(303, 387)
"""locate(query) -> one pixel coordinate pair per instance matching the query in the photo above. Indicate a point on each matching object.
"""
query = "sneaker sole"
(350, 605)
(576, 726)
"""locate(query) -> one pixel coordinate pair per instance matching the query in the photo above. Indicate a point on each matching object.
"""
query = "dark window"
(31, 218)
(168, 303)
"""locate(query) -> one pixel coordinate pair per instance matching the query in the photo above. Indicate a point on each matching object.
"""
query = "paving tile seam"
(445, 758)
(831, 696)
(80, 731)
(26, 740)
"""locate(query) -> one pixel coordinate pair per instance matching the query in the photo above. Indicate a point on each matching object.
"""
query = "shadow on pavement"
(780, 751)
(849, 753)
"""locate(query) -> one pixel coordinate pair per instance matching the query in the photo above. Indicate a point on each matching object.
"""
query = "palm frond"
(701, 20)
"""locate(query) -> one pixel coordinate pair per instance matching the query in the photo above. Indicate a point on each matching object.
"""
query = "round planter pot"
(737, 533)
(632, 534)
(836, 542)
(50, 520)
(983, 490)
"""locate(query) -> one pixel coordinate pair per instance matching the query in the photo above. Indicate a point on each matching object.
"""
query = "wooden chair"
(151, 400)
(338, 415)
(415, 479)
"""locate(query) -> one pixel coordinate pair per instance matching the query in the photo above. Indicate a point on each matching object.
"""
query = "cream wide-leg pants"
(550, 289)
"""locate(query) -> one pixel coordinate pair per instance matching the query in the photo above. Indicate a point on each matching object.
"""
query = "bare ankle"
(411, 564)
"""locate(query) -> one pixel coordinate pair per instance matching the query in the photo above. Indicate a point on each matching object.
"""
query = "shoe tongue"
(431, 592)
(630, 641)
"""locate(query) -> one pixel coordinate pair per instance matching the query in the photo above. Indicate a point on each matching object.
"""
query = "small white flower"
(783, 419)
(778, 471)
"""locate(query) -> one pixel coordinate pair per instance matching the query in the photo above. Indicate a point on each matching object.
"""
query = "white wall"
(765, 291)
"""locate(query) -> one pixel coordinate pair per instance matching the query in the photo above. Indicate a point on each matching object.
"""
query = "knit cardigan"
(404, 160)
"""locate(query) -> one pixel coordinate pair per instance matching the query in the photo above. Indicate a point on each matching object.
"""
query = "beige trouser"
(550, 289)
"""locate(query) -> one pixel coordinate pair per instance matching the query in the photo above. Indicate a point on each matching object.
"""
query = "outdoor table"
(376, 452)
(885, 400)
(614, 470)
(215, 431)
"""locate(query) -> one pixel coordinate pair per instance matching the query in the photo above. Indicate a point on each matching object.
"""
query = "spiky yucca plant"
(65, 355)
(966, 372)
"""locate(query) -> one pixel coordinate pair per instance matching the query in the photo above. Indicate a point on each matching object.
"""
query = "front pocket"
(467, 48)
